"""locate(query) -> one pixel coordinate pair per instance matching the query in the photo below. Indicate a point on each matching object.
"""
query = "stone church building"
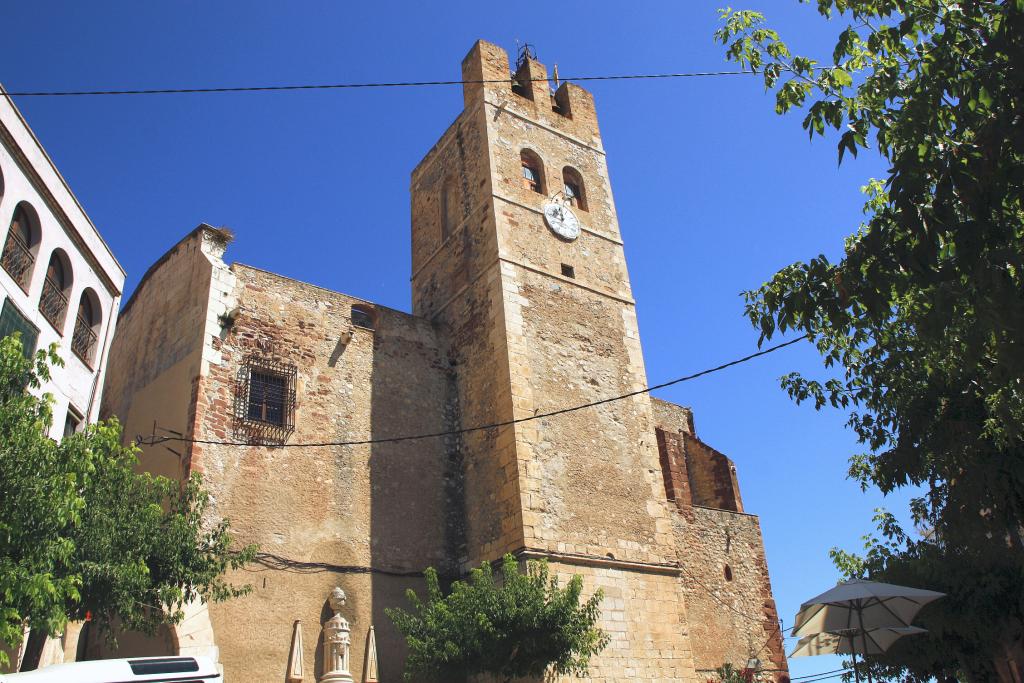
(521, 306)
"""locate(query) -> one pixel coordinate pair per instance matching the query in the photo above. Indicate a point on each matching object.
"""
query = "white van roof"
(135, 670)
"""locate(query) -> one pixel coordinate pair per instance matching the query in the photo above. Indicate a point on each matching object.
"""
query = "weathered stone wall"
(713, 481)
(732, 616)
(644, 614)
(157, 349)
(672, 418)
(457, 284)
(392, 507)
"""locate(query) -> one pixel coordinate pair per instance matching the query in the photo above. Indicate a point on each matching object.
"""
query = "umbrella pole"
(853, 648)
(864, 639)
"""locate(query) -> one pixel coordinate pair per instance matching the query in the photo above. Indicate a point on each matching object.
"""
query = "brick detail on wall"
(673, 469)
(712, 476)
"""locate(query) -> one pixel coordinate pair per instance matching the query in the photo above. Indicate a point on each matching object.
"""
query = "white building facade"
(59, 281)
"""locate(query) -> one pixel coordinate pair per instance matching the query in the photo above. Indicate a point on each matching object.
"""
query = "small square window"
(568, 271)
(363, 316)
(72, 422)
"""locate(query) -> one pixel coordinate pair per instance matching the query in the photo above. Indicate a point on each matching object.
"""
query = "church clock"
(562, 220)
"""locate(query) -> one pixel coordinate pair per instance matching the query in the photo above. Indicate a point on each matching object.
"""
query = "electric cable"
(843, 672)
(352, 86)
(820, 673)
(155, 440)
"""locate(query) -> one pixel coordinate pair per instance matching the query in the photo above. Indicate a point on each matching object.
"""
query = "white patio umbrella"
(861, 606)
(875, 641)
(872, 642)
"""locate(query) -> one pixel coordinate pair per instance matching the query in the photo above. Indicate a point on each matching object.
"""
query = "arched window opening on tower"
(53, 301)
(533, 171)
(521, 84)
(87, 327)
(364, 316)
(574, 190)
(18, 256)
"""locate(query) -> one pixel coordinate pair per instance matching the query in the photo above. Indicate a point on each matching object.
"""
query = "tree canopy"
(527, 626)
(81, 533)
(921, 321)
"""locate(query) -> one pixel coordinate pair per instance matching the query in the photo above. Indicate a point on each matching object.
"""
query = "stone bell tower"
(517, 256)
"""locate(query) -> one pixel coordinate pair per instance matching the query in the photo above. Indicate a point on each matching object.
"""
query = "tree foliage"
(527, 626)
(922, 318)
(965, 628)
(81, 533)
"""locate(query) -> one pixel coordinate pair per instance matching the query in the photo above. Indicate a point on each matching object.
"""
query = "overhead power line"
(353, 86)
(820, 673)
(154, 440)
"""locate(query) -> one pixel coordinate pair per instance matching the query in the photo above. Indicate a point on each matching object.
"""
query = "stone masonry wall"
(642, 613)
(456, 284)
(732, 615)
(157, 349)
(395, 508)
(713, 481)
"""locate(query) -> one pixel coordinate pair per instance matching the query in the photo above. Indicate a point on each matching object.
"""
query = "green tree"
(922, 318)
(965, 628)
(82, 533)
(527, 626)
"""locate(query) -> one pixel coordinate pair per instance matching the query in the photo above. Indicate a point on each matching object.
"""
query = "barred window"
(267, 397)
(265, 401)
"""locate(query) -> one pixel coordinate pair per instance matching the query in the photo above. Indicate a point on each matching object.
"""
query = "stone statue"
(336, 642)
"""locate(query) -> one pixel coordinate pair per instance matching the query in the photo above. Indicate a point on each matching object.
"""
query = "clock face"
(561, 220)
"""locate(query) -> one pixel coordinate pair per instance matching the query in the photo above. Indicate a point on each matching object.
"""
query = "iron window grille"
(265, 401)
(53, 304)
(17, 259)
(83, 340)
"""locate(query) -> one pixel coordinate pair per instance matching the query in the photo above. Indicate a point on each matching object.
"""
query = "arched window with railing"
(533, 171)
(19, 254)
(87, 327)
(53, 301)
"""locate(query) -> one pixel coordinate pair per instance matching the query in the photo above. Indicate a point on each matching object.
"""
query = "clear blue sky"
(714, 191)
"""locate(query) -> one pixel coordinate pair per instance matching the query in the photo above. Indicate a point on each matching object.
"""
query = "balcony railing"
(17, 259)
(53, 304)
(83, 341)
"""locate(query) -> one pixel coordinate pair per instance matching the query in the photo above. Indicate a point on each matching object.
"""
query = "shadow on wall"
(416, 505)
(93, 643)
